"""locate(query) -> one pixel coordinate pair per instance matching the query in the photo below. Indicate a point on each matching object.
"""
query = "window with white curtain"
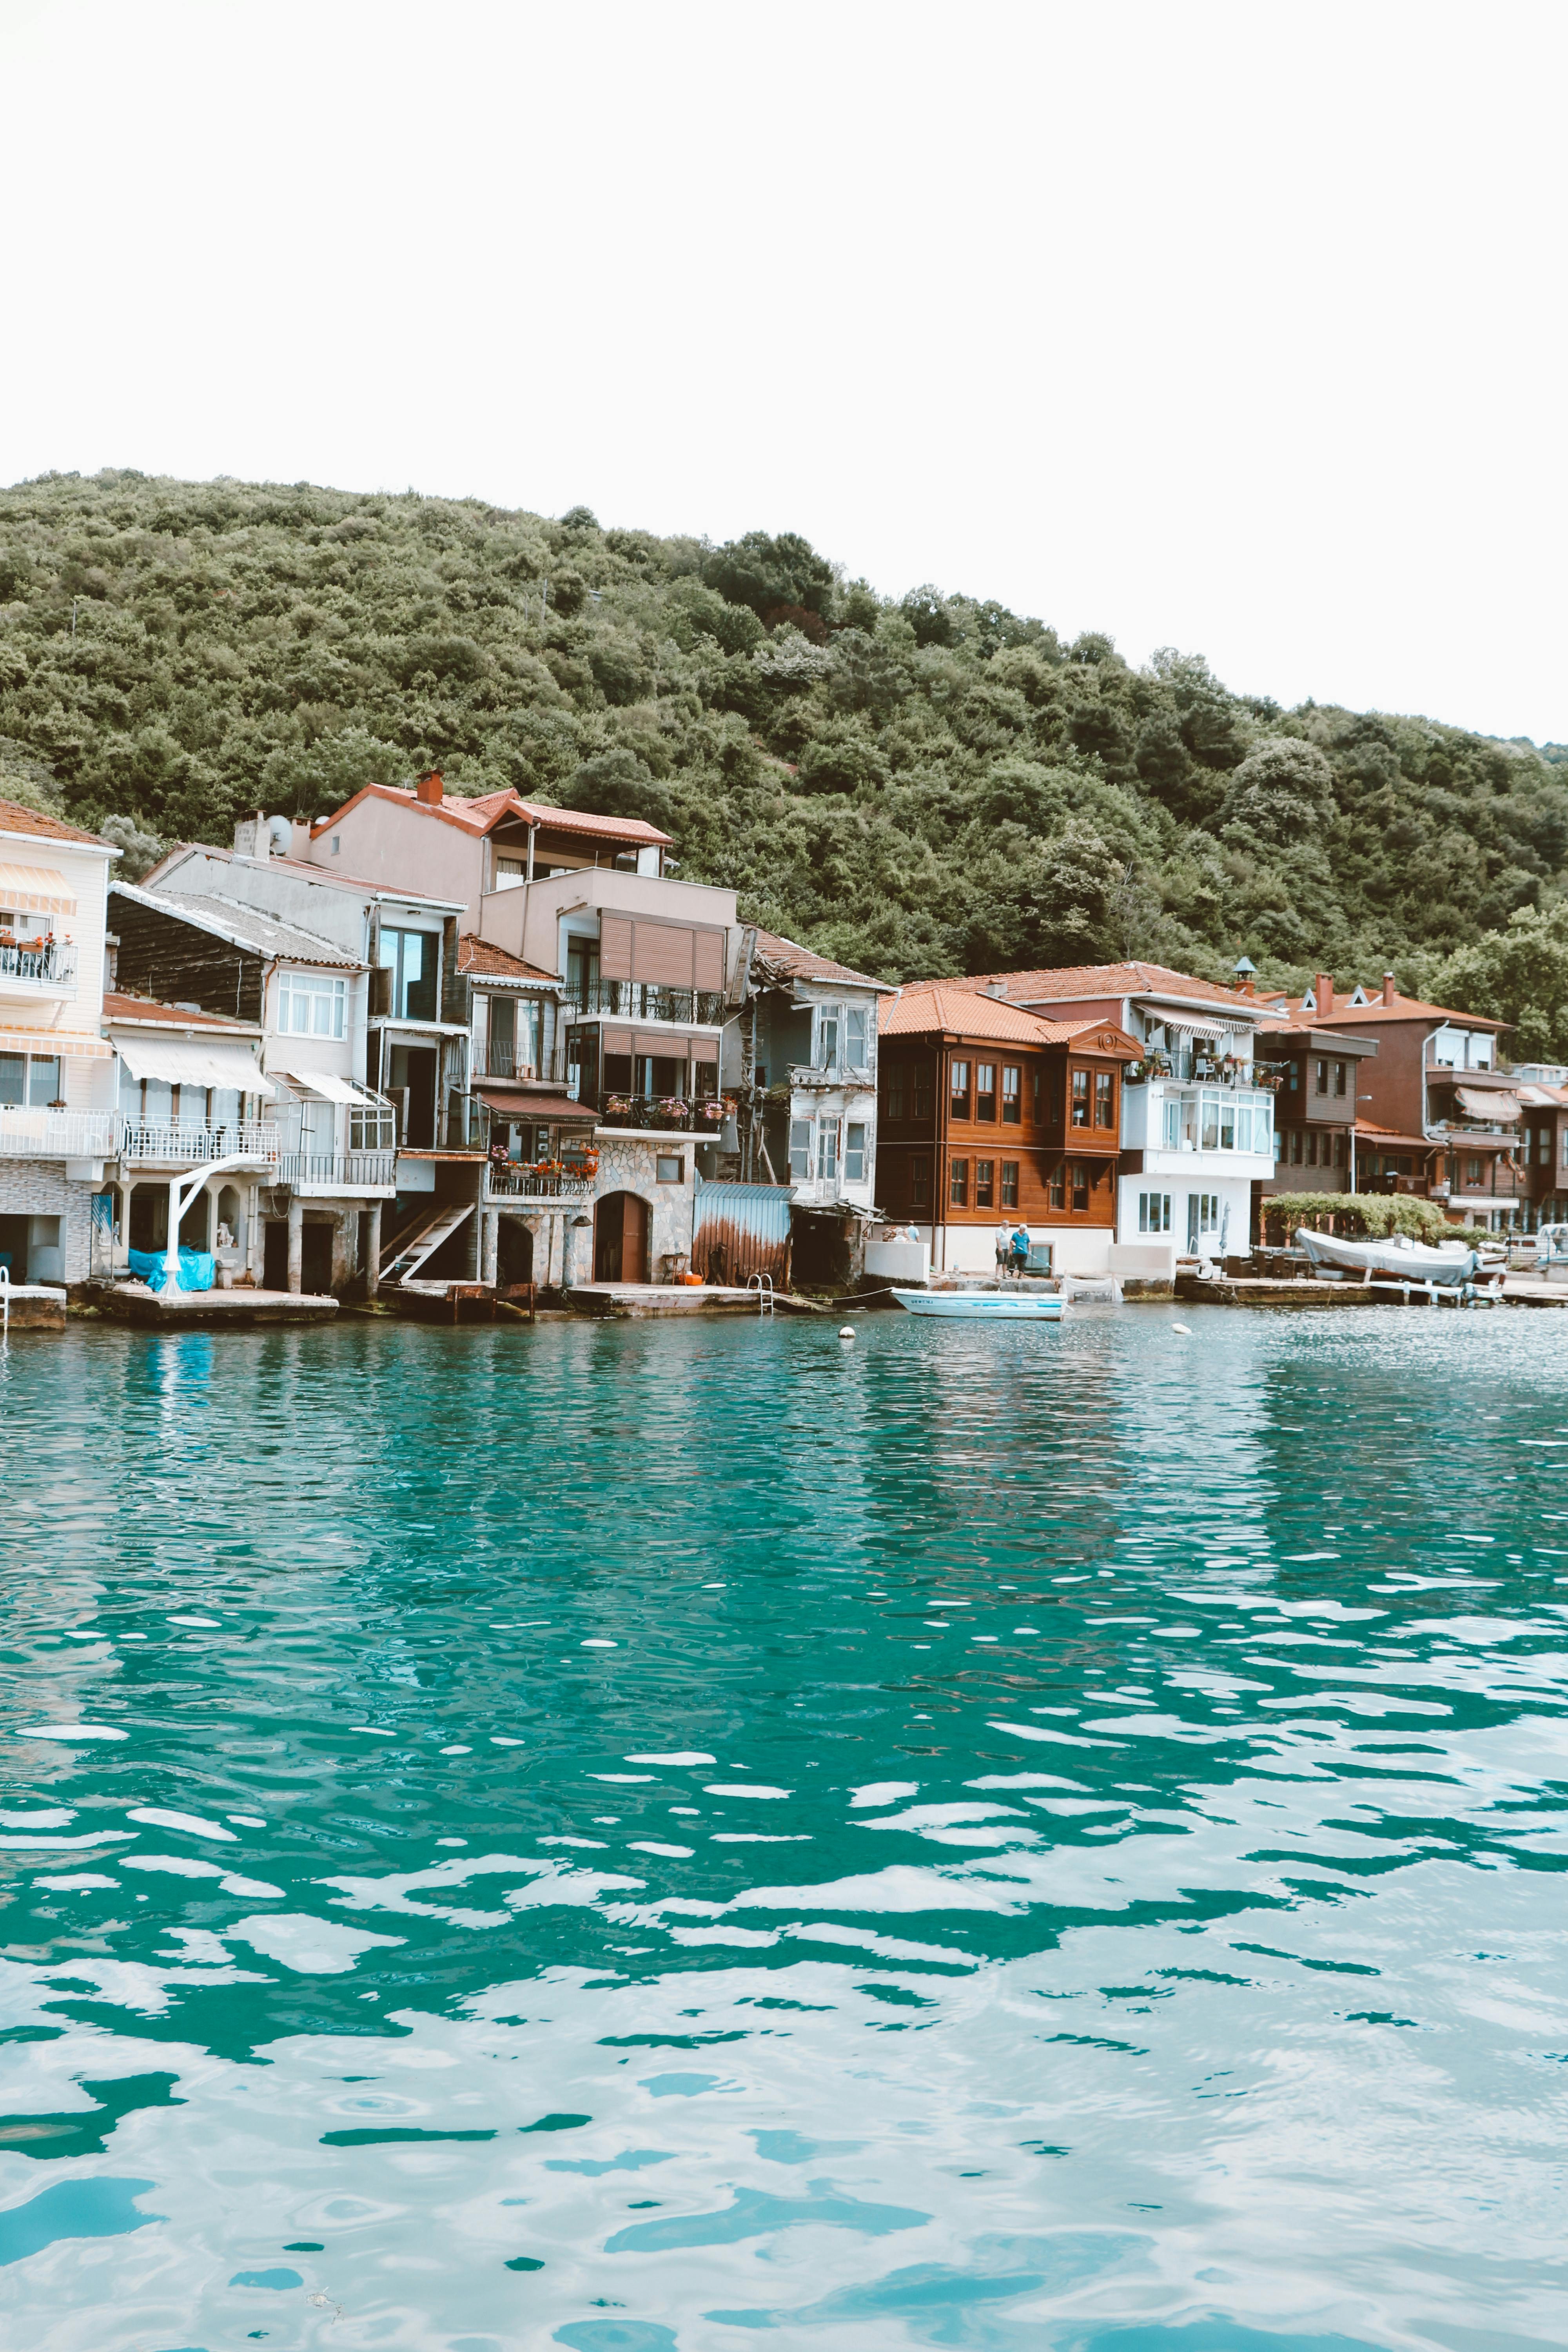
(312, 1004)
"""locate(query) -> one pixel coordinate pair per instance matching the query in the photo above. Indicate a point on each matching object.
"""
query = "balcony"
(666, 1114)
(188, 1142)
(43, 968)
(1187, 1065)
(1167, 1115)
(642, 1000)
(807, 1076)
(56, 1134)
(502, 1062)
(509, 1184)
(339, 1171)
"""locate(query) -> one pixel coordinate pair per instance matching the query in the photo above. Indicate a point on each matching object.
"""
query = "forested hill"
(920, 786)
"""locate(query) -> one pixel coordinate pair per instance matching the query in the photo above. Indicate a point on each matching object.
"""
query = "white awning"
(1478, 1102)
(1191, 1024)
(324, 1086)
(37, 889)
(55, 1041)
(194, 1062)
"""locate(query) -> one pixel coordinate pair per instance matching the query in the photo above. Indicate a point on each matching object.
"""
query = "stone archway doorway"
(620, 1238)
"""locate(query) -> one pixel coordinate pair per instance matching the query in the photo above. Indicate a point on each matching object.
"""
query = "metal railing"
(501, 1062)
(49, 964)
(525, 1184)
(670, 1113)
(192, 1140)
(56, 1134)
(1185, 1066)
(346, 1172)
(645, 999)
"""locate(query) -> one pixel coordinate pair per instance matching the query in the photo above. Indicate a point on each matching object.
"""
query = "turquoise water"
(653, 1840)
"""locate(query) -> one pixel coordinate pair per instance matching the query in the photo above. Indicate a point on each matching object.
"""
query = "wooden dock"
(234, 1310)
(624, 1301)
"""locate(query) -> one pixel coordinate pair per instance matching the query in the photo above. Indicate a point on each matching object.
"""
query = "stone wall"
(40, 1188)
(628, 1164)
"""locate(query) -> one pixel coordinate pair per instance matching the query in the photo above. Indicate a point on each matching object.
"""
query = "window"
(1080, 1098)
(1104, 1099)
(958, 1086)
(412, 957)
(1203, 1216)
(921, 1092)
(1055, 1186)
(312, 1004)
(1339, 1077)
(1037, 1093)
(1012, 1096)
(854, 1152)
(1565, 1147)
(1295, 1147)
(1080, 1184)
(895, 1092)
(372, 1125)
(670, 1168)
(337, 843)
(1472, 1171)
(985, 1090)
(958, 1184)
(1009, 1183)
(920, 1184)
(799, 1150)
(1322, 1077)
(1295, 1077)
(510, 872)
(1311, 1147)
(825, 1055)
(1278, 1144)
(857, 1036)
(985, 1183)
(827, 1150)
(1153, 1213)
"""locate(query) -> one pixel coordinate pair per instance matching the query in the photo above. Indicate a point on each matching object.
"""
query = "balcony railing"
(51, 964)
(670, 1113)
(493, 1061)
(171, 1141)
(644, 1000)
(343, 1171)
(56, 1134)
(1187, 1065)
(527, 1184)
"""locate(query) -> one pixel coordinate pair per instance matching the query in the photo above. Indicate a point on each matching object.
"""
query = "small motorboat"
(985, 1306)
(1394, 1259)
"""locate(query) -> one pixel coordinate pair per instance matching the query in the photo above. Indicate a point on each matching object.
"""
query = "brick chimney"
(1323, 992)
(430, 788)
(1388, 988)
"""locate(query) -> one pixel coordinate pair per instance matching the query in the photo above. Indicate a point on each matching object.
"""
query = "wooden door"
(634, 1240)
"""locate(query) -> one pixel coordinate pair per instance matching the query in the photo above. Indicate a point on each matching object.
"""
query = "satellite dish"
(279, 836)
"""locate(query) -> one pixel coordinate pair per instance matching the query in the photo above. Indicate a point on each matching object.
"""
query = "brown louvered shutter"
(615, 947)
(618, 1041)
(709, 959)
(661, 953)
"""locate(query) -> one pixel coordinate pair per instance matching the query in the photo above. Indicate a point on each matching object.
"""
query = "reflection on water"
(643, 1840)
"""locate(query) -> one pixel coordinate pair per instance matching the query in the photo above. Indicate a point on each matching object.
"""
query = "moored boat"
(1396, 1258)
(985, 1306)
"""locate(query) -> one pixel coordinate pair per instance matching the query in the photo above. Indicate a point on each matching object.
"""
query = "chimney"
(299, 844)
(1323, 990)
(429, 790)
(1388, 988)
(994, 988)
(248, 836)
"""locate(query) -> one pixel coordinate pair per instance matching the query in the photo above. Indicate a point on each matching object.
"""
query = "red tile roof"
(1288, 1010)
(1104, 980)
(793, 961)
(927, 1008)
(483, 815)
(482, 957)
(15, 818)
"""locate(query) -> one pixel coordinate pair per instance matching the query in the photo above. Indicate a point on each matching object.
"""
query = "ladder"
(412, 1255)
(762, 1284)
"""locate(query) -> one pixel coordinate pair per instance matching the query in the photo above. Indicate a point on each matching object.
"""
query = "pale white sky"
(1231, 326)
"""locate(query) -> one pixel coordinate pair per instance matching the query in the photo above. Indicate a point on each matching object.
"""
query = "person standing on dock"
(1004, 1245)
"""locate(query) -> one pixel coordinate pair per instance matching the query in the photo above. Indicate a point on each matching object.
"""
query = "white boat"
(985, 1306)
(1396, 1258)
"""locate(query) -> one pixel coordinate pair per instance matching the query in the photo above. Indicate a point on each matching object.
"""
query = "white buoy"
(844, 1332)
(1184, 1329)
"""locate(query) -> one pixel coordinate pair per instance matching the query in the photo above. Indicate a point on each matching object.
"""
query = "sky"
(1235, 328)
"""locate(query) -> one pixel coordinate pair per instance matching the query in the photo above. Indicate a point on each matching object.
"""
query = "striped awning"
(55, 1041)
(35, 890)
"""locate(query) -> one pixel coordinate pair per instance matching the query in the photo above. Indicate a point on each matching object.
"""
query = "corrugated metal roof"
(242, 926)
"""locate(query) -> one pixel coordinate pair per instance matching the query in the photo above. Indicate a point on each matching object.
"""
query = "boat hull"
(981, 1305)
(1385, 1260)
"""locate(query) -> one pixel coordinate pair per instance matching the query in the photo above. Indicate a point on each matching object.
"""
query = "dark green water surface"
(674, 1840)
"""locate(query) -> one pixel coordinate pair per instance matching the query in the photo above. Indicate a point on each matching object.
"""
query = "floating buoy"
(1184, 1329)
(844, 1332)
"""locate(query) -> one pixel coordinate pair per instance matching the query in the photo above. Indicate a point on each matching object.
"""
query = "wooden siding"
(166, 958)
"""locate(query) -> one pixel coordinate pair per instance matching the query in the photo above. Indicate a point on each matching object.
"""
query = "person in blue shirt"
(1020, 1249)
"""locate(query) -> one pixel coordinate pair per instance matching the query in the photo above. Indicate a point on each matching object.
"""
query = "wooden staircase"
(404, 1256)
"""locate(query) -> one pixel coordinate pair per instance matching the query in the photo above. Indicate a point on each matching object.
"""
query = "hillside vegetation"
(927, 785)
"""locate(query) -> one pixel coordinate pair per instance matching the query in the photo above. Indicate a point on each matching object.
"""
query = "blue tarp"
(198, 1270)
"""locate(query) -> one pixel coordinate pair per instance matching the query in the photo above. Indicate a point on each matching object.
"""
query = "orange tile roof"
(483, 957)
(15, 818)
(1288, 1010)
(1104, 980)
(927, 1008)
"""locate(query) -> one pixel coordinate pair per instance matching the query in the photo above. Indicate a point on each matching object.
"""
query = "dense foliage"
(920, 786)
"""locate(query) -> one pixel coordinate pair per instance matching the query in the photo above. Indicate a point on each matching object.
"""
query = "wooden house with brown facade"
(988, 1114)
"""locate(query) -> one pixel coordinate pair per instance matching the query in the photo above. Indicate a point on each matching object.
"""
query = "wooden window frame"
(957, 1183)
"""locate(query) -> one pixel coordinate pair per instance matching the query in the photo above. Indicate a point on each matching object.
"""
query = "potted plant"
(671, 1107)
(617, 1106)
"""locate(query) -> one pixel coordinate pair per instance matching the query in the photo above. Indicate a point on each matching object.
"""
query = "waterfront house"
(1439, 1117)
(56, 1100)
(800, 1067)
(989, 1114)
(1197, 1127)
(1319, 1079)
